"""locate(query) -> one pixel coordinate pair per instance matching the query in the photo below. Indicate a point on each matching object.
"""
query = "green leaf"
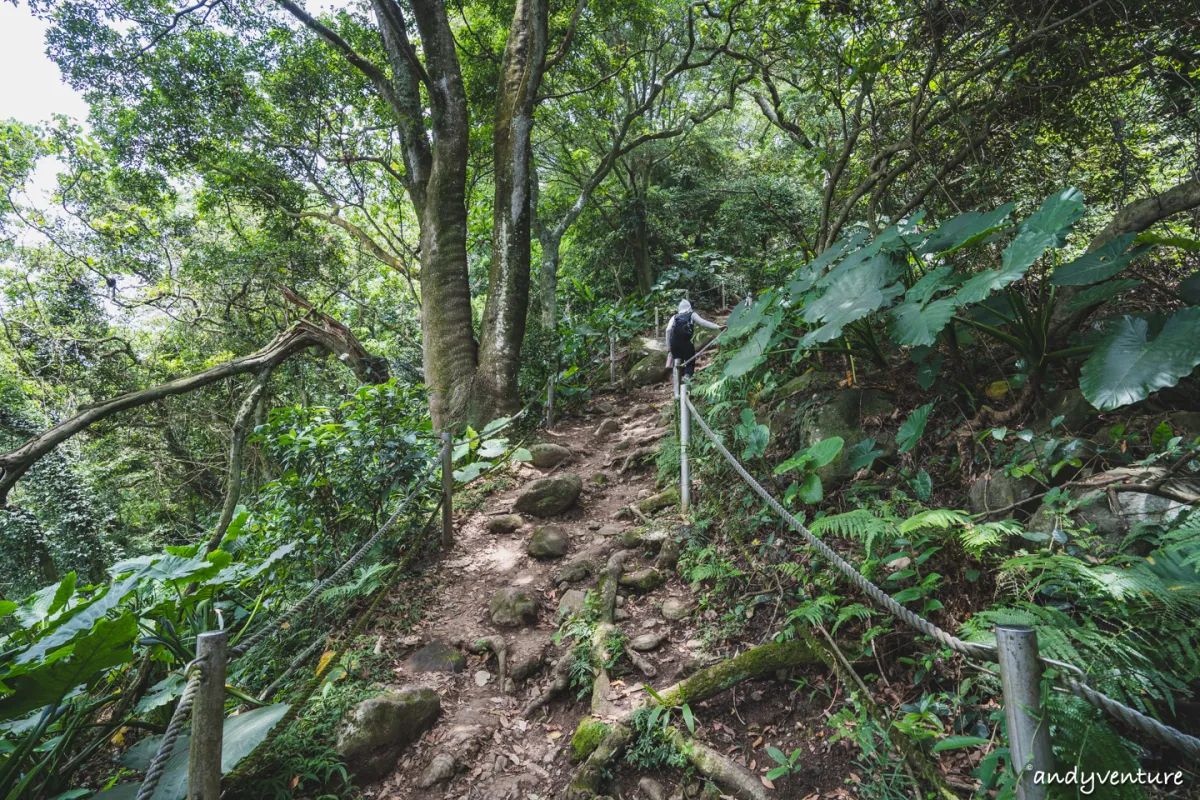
(7, 607)
(521, 454)
(966, 230)
(240, 736)
(751, 354)
(914, 325)
(743, 320)
(689, 719)
(863, 454)
(1162, 434)
(776, 773)
(1098, 265)
(913, 428)
(825, 451)
(777, 755)
(1016, 260)
(108, 644)
(1127, 366)
(1099, 294)
(1182, 242)
(1056, 215)
(923, 485)
(811, 490)
(955, 742)
(855, 294)
(927, 371)
(907, 595)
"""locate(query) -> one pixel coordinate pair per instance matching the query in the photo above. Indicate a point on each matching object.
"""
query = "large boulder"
(643, 347)
(846, 415)
(548, 541)
(606, 429)
(804, 386)
(513, 607)
(1114, 521)
(649, 371)
(546, 497)
(437, 656)
(997, 490)
(376, 731)
(548, 454)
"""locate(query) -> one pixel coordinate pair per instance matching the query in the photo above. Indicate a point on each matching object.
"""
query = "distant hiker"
(679, 336)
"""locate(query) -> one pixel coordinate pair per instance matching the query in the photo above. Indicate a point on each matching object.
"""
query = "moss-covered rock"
(657, 502)
(643, 580)
(512, 607)
(804, 386)
(846, 416)
(376, 731)
(437, 656)
(643, 347)
(548, 541)
(546, 497)
(1071, 405)
(587, 737)
(547, 454)
(649, 371)
(505, 523)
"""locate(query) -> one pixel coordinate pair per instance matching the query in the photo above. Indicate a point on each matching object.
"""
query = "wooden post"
(447, 491)
(656, 328)
(550, 387)
(722, 295)
(208, 718)
(1028, 728)
(685, 429)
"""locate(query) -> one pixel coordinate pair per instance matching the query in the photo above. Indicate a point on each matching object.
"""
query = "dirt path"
(499, 753)
(483, 745)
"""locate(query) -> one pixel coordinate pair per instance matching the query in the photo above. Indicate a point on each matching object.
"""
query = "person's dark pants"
(683, 349)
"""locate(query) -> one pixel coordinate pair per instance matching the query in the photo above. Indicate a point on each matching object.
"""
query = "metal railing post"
(1028, 729)
(612, 358)
(208, 718)
(447, 491)
(685, 430)
(675, 382)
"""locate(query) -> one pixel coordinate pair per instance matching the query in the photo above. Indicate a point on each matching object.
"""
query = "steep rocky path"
(486, 645)
(482, 747)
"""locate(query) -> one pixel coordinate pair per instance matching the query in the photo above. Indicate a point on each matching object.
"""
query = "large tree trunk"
(504, 315)
(549, 280)
(641, 249)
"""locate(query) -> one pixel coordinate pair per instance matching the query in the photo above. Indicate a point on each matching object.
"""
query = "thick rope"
(336, 577)
(1131, 717)
(158, 764)
(914, 620)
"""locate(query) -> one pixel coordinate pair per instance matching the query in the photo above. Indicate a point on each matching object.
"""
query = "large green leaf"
(240, 735)
(107, 644)
(1128, 365)
(83, 619)
(966, 230)
(743, 320)
(1018, 257)
(1098, 265)
(915, 325)
(825, 451)
(1056, 215)
(854, 295)
(751, 354)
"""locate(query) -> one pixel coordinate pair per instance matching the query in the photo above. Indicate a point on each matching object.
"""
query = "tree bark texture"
(521, 71)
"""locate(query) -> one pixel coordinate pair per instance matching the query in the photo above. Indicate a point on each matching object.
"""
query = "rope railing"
(1071, 677)
(157, 766)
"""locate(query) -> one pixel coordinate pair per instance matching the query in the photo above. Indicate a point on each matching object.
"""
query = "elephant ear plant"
(982, 273)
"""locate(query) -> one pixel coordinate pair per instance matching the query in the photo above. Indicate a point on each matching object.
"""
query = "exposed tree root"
(610, 579)
(495, 645)
(601, 681)
(730, 776)
(989, 417)
(642, 664)
(705, 684)
(560, 682)
(641, 454)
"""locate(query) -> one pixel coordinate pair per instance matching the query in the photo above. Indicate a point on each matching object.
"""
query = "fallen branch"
(732, 777)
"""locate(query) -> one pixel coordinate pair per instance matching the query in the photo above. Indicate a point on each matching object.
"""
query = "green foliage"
(913, 428)
(753, 435)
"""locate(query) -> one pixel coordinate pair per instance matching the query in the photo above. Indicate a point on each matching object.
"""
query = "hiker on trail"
(679, 336)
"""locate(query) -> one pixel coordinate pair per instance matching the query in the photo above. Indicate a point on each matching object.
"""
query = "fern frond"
(977, 539)
(852, 612)
(943, 518)
(859, 524)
